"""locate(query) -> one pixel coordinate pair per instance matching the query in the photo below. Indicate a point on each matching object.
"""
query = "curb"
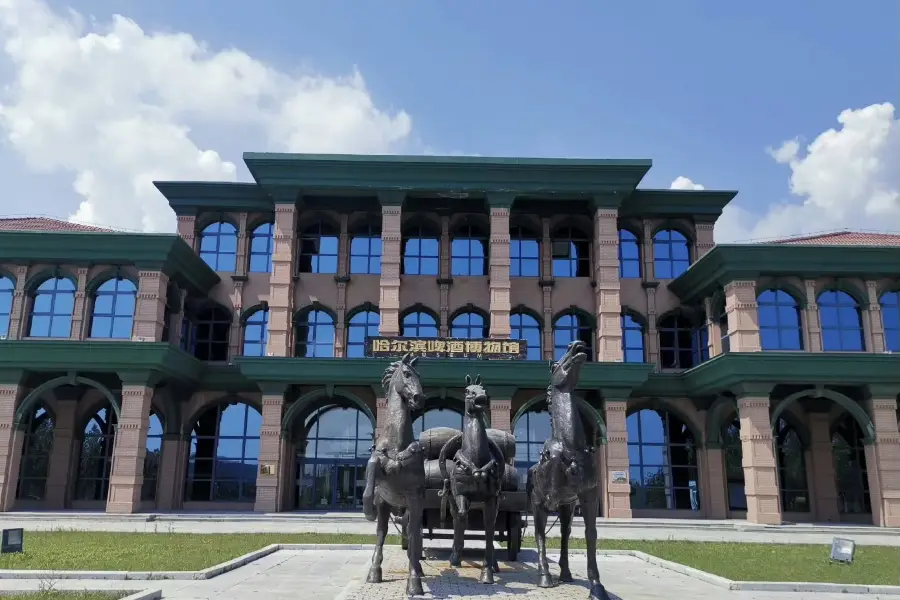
(143, 595)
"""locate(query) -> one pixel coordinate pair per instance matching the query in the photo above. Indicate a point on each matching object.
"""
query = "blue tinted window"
(314, 335)
(779, 321)
(362, 325)
(681, 345)
(152, 458)
(524, 254)
(662, 459)
(7, 287)
(632, 340)
(671, 254)
(570, 249)
(567, 328)
(468, 325)
(262, 244)
(318, 250)
(218, 246)
(421, 251)
(531, 430)
(629, 255)
(525, 327)
(51, 309)
(419, 324)
(114, 310)
(850, 468)
(437, 417)
(256, 333)
(210, 334)
(337, 432)
(468, 255)
(365, 251)
(890, 315)
(842, 329)
(96, 457)
(37, 447)
(791, 469)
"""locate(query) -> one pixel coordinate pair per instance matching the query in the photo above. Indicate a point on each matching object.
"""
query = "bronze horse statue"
(395, 473)
(567, 471)
(477, 475)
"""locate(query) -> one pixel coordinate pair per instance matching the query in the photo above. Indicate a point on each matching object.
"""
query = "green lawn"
(65, 596)
(112, 551)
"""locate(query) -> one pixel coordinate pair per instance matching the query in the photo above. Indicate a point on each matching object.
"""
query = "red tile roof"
(844, 238)
(43, 224)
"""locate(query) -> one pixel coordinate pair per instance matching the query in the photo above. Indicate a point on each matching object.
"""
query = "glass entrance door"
(330, 484)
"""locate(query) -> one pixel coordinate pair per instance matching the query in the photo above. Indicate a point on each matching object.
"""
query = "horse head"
(564, 373)
(477, 399)
(401, 376)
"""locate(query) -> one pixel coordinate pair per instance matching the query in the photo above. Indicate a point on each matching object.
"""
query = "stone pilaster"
(647, 254)
(742, 312)
(150, 306)
(712, 326)
(381, 412)
(813, 326)
(80, 317)
(11, 440)
(607, 298)
(823, 485)
(269, 478)
(17, 321)
(445, 279)
(242, 260)
(651, 338)
(704, 239)
(172, 461)
(498, 268)
(391, 257)
(758, 456)
(501, 407)
(176, 318)
(281, 282)
(715, 484)
(342, 279)
(60, 471)
(187, 230)
(236, 333)
(130, 449)
(546, 283)
(618, 495)
(883, 457)
(875, 319)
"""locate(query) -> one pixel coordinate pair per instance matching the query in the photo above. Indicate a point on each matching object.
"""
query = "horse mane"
(392, 370)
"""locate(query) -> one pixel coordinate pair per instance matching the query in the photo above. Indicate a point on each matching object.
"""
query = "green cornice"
(732, 262)
(337, 173)
(704, 205)
(190, 198)
(150, 251)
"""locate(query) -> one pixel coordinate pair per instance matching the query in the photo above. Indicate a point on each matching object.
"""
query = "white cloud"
(683, 183)
(114, 107)
(847, 178)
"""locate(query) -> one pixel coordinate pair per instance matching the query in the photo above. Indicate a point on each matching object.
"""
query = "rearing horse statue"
(395, 473)
(567, 471)
(477, 475)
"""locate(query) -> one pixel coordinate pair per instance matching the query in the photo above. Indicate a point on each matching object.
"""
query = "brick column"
(812, 327)
(150, 307)
(647, 271)
(269, 486)
(17, 320)
(883, 457)
(607, 299)
(445, 279)
(758, 455)
(704, 239)
(501, 407)
(651, 338)
(742, 312)
(241, 259)
(60, 474)
(176, 318)
(11, 440)
(498, 266)
(391, 255)
(875, 343)
(716, 487)
(617, 503)
(341, 280)
(187, 230)
(172, 465)
(547, 288)
(80, 318)
(712, 328)
(281, 282)
(130, 448)
(821, 469)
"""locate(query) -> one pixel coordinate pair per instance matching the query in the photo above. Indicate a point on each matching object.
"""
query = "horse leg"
(565, 526)
(490, 524)
(540, 538)
(460, 521)
(368, 498)
(384, 516)
(590, 506)
(414, 579)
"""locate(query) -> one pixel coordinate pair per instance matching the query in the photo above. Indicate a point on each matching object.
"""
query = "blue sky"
(700, 87)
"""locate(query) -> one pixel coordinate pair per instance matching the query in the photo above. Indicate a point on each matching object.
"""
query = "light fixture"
(842, 550)
(12, 540)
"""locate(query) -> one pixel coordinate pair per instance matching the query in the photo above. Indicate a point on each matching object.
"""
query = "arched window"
(524, 253)
(210, 335)
(890, 316)
(671, 254)
(567, 328)
(262, 244)
(420, 325)
(662, 458)
(779, 321)
(152, 458)
(629, 255)
(113, 314)
(314, 336)
(36, 450)
(7, 287)
(791, 469)
(318, 250)
(363, 324)
(365, 251)
(681, 345)
(468, 256)
(437, 417)
(331, 462)
(525, 327)
(218, 246)
(224, 455)
(571, 252)
(850, 469)
(531, 430)
(632, 340)
(842, 328)
(51, 309)
(95, 464)
(256, 333)
(734, 465)
(469, 326)
(421, 250)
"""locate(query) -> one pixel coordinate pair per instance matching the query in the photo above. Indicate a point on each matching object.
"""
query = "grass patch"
(65, 596)
(113, 551)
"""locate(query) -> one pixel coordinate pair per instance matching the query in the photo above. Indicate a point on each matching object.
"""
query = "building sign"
(387, 347)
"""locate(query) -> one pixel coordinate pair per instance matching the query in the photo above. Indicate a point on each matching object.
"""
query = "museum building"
(226, 367)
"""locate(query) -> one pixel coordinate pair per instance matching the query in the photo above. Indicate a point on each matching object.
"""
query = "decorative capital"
(882, 392)
(609, 201)
(391, 198)
(139, 378)
(272, 388)
(754, 389)
(500, 199)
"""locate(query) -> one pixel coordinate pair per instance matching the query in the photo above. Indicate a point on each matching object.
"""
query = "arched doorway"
(95, 463)
(152, 458)
(851, 475)
(36, 449)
